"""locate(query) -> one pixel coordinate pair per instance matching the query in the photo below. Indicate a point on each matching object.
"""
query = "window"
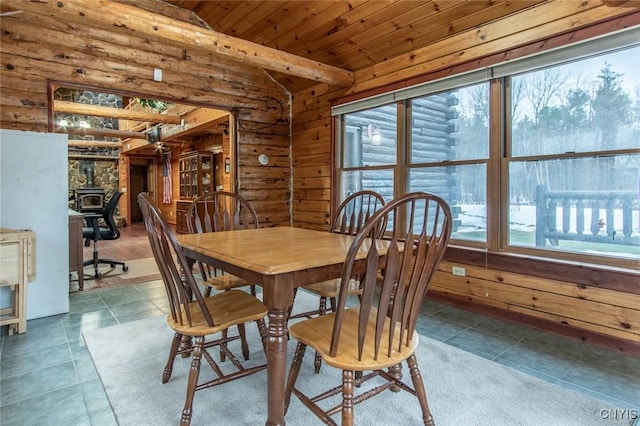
(369, 152)
(449, 148)
(539, 156)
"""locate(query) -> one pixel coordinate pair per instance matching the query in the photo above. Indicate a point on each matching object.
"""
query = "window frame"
(499, 159)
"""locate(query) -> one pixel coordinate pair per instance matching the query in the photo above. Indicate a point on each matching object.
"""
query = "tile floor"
(47, 375)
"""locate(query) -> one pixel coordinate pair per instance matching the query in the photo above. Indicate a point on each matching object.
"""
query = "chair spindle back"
(220, 211)
(416, 241)
(355, 210)
(175, 270)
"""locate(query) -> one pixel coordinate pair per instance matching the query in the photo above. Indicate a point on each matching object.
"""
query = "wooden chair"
(195, 316)
(350, 216)
(216, 212)
(379, 333)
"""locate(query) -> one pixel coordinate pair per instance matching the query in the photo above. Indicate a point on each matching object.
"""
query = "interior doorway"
(141, 179)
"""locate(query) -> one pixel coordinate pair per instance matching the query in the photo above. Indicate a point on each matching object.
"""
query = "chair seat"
(228, 309)
(226, 282)
(104, 233)
(316, 333)
(331, 288)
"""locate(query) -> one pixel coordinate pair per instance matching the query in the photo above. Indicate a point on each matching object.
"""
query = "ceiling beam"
(96, 144)
(195, 121)
(123, 114)
(123, 18)
(99, 132)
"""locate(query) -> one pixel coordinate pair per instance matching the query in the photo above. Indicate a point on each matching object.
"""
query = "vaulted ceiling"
(348, 34)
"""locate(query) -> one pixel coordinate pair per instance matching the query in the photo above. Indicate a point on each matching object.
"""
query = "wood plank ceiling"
(345, 35)
(348, 34)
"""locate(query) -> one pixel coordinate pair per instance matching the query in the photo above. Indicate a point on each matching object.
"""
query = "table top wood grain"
(270, 251)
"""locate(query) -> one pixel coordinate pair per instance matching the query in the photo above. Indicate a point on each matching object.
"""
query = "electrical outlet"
(456, 270)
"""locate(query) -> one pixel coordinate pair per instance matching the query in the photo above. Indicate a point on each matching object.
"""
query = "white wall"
(33, 195)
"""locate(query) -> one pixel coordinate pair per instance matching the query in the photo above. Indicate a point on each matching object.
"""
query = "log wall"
(77, 54)
(609, 316)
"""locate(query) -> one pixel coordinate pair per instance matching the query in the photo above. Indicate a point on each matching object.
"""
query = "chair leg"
(173, 351)
(253, 290)
(322, 310)
(243, 342)
(396, 372)
(295, 291)
(293, 373)
(223, 355)
(421, 394)
(207, 292)
(194, 373)
(347, 397)
(262, 329)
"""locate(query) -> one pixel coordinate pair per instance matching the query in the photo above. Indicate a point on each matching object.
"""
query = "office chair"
(96, 233)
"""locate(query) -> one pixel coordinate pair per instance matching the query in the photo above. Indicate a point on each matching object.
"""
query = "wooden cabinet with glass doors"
(196, 174)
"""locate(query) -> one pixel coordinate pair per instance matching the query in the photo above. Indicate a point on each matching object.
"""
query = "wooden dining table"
(279, 259)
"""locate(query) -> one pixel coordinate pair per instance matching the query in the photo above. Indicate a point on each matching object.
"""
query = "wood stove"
(89, 199)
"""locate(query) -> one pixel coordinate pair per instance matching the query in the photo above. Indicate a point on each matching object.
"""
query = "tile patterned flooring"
(47, 375)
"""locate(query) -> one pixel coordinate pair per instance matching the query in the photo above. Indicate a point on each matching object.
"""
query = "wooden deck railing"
(601, 206)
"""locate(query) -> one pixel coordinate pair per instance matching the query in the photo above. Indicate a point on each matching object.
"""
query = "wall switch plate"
(456, 270)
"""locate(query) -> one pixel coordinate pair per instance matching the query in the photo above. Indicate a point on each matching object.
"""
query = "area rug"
(463, 389)
(139, 271)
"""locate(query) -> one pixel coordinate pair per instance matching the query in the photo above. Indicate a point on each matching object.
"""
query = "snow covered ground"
(523, 218)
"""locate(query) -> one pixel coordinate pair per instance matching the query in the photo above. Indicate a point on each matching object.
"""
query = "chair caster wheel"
(125, 268)
(98, 275)
(113, 265)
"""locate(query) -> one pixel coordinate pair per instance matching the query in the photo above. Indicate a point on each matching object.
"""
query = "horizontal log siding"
(560, 305)
(83, 55)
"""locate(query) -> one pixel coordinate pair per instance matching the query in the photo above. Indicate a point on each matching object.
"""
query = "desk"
(279, 259)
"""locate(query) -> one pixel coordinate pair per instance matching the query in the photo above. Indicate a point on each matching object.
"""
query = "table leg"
(276, 365)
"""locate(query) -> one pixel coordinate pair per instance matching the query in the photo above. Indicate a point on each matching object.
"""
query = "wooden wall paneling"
(526, 295)
(250, 152)
(284, 20)
(607, 296)
(169, 10)
(26, 116)
(315, 183)
(320, 147)
(28, 98)
(324, 16)
(96, 57)
(528, 316)
(461, 17)
(601, 310)
(322, 194)
(313, 171)
(277, 136)
(514, 30)
(254, 21)
(315, 114)
(312, 160)
(267, 194)
(368, 16)
(275, 161)
(318, 137)
(279, 182)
